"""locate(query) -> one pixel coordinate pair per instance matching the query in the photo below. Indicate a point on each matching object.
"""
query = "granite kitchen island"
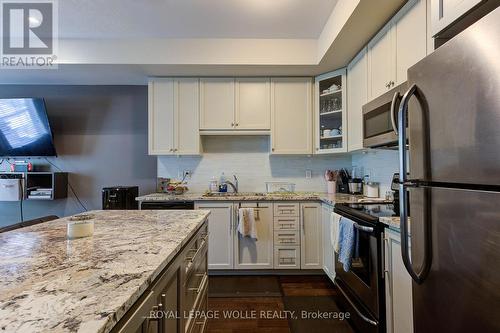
(49, 283)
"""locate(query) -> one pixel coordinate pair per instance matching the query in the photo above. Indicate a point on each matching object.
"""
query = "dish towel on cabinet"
(347, 240)
(334, 231)
(247, 223)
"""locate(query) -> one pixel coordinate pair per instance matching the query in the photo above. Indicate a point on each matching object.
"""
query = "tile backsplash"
(379, 164)
(248, 158)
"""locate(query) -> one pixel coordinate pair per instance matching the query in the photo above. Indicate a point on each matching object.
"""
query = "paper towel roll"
(78, 229)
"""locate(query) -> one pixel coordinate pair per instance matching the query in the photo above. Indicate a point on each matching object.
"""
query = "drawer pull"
(287, 260)
(198, 250)
(201, 286)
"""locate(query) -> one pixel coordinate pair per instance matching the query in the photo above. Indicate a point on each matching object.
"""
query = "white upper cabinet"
(410, 38)
(161, 117)
(253, 104)
(381, 62)
(235, 104)
(173, 110)
(291, 116)
(217, 103)
(186, 117)
(398, 46)
(330, 113)
(357, 96)
(445, 12)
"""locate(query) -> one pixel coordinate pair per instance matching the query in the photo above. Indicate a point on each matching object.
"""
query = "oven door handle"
(365, 318)
(363, 228)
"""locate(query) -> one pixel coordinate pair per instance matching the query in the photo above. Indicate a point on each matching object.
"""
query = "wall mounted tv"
(24, 128)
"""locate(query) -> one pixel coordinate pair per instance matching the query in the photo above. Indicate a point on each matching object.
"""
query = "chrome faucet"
(234, 185)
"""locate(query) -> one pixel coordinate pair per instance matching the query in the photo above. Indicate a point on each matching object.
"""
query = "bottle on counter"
(213, 186)
(222, 183)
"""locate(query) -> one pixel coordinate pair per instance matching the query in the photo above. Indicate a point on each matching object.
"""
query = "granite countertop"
(49, 283)
(327, 198)
(393, 222)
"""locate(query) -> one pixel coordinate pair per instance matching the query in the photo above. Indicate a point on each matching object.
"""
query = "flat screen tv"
(24, 128)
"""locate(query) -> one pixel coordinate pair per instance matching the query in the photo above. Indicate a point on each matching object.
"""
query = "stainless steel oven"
(380, 119)
(363, 286)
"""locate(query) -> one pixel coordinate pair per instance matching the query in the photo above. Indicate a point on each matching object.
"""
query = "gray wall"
(101, 138)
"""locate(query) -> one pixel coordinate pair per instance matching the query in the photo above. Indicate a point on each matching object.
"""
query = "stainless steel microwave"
(380, 118)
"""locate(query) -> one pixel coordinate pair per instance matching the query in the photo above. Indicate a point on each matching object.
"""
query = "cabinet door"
(216, 103)
(357, 96)
(256, 254)
(161, 117)
(291, 116)
(399, 308)
(311, 240)
(221, 232)
(328, 255)
(411, 37)
(187, 110)
(253, 104)
(445, 12)
(170, 297)
(381, 63)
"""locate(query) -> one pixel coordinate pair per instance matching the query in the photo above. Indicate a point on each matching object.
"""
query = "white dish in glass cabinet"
(330, 113)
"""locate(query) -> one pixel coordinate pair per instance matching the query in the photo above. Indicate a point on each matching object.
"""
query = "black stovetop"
(368, 212)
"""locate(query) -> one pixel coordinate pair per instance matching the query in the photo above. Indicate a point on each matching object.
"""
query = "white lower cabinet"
(311, 244)
(289, 236)
(398, 287)
(255, 254)
(221, 230)
(328, 254)
(287, 257)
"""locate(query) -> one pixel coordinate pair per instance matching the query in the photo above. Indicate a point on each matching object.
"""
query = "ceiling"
(193, 18)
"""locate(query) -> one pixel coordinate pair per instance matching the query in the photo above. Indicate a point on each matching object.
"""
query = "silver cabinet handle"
(236, 124)
(201, 286)
(302, 220)
(232, 124)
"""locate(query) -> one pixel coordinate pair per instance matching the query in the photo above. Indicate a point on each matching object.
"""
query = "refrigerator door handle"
(418, 277)
(394, 111)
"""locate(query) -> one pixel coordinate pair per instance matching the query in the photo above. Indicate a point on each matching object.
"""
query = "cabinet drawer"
(286, 209)
(287, 257)
(286, 238)
(197, 324)
(196, 282)
(286, 223)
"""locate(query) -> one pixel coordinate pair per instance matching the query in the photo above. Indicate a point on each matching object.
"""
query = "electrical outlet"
(187, 174)
(308, 174)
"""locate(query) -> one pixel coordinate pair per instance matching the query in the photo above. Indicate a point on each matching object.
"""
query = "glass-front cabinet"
(331, 113)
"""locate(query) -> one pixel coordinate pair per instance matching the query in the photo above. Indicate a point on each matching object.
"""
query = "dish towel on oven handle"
(334, 230)
(347, 242)
(247, 223)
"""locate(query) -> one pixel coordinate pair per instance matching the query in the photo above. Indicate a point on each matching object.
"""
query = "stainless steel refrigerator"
(449, 142)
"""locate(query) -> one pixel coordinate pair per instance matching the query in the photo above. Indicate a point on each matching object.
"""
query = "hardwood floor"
(240, 313)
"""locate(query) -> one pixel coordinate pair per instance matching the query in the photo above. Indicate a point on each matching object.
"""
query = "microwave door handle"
(394, 111)
(419, 277)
